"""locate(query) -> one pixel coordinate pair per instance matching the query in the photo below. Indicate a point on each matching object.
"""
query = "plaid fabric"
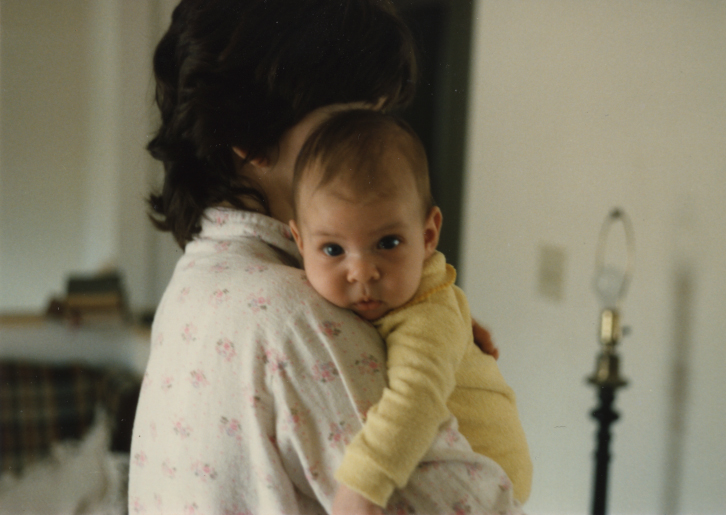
(42, 404)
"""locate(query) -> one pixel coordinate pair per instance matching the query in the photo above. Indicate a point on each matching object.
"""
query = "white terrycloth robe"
(256, 384)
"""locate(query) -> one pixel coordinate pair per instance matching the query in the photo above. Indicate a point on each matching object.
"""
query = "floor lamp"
(611, 283)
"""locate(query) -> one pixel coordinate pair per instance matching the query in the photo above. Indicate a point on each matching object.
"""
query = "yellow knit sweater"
(434, 369)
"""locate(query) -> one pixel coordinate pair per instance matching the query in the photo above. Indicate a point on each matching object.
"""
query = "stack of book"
(93, 299)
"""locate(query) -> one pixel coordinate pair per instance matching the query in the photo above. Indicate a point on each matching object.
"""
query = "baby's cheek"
(327, 286)
(406, 288)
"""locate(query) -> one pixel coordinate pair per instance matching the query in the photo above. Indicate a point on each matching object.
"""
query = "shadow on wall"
(683, 293)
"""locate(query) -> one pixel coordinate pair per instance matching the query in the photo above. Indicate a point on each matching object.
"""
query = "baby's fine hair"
(351, 144)
(239, 73)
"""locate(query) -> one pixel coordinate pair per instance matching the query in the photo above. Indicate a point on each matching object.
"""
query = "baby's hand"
(483, 340)
(350, 502)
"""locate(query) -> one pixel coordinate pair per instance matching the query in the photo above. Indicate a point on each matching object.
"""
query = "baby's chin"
(369, 317)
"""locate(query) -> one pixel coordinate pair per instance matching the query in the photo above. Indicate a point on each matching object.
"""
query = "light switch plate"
(551, 275)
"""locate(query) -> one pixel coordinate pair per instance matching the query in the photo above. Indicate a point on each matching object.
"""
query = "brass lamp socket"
(610, 332)
(607, 371)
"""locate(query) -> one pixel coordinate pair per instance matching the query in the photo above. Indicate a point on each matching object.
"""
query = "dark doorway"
(442, 29)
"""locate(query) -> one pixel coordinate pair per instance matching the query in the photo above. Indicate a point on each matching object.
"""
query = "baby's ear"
(432, 230)
(259, 162)
(296, 234)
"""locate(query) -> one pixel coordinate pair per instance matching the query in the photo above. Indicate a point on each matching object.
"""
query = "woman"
(255, 384)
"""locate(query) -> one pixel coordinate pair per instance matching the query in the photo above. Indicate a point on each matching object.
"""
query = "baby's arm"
(425, 345)
(350, 502)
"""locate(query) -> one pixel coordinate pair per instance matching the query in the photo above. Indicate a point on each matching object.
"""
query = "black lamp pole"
(607, 380)
(611, 285)
(605, 415)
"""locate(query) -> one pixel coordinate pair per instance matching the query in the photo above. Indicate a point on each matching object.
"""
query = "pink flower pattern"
(257, 302)
(225, 348)
(255, 401)
(140, 459)
(230, 427)
(198, 379)
(330, 329)
(219, 296)
(190, 333)
(220, 218)
(167, 383)
(251, 269)
(204, 471)
(474, 470)
(312, 472)
(505, 483)
(168, 470)
(451, 436)
(325, 372)
(220, 267)
(183, 294)
(222, 246)
(461, 507)
(181, 429)
(339, 434)
(146, 382)
(368, 365)
(293, 419)
(136, 505)
(275, 361)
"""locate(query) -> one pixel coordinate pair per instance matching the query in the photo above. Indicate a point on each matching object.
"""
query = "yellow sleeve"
(426, 342)
(486, 409)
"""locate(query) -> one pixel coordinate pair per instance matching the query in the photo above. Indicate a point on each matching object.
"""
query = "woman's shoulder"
(291, 301)
(286, 308)
(251, 280)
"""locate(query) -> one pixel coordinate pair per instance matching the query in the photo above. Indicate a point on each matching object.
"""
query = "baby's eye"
(332, 250)
(389, 242)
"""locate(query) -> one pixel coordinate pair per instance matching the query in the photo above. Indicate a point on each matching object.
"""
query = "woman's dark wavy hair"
(241, 72)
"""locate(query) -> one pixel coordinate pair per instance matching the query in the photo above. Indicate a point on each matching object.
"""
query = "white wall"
(76, 102)
(44, 130)
(578, 107)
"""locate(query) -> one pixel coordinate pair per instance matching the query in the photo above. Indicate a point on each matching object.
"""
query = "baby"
(367, 229)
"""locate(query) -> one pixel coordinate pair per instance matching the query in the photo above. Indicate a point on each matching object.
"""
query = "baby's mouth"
(365, 306)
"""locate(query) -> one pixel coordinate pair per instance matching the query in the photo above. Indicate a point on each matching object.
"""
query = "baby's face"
(365, 254)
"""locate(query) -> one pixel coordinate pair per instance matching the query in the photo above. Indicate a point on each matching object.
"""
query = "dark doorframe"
(442, 29)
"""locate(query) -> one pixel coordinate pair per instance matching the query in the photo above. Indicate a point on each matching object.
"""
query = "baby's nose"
(363, 271)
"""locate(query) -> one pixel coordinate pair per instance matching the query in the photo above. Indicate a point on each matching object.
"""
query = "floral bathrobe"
(255, 385)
